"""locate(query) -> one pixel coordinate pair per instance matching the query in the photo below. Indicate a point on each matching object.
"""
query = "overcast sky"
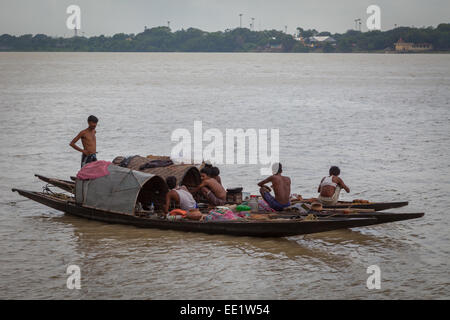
(130, 16)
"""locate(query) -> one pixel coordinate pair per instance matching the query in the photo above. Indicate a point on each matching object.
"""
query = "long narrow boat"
(65, 185)
(113, 199)
(117, 196)
(382, 217)
(377, 206)
(255, 228)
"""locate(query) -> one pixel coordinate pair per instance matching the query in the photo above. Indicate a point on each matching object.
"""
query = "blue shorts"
(273, 203)
(87, 159)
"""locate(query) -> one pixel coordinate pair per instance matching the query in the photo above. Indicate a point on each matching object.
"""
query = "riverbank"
(163, 39)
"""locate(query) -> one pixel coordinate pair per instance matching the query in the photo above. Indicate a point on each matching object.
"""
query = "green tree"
(239, 39)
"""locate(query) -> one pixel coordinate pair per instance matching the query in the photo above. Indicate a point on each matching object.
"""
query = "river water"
(384, 119)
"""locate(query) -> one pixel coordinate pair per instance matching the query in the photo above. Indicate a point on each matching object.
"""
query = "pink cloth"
(264, 206)
(94, 170)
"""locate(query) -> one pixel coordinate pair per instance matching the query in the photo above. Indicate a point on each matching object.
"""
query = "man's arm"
(169, 198)
(263, 182)
(342, 184)
(197, 188)
(75, 140)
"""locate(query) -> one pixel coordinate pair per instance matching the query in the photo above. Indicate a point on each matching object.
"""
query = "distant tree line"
(162, 39)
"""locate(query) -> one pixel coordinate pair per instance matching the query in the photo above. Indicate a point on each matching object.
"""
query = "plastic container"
(174, 218)
(243, 207)
(253, 204)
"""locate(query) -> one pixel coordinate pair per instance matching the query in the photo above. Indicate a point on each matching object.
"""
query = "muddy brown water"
(384, 119)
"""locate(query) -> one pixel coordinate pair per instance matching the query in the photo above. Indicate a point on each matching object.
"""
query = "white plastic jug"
(253, 204)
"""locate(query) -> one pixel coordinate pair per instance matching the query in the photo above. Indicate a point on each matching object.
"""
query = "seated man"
(215, 174)
(180, 195)
(211, 189)
(330, 187)
(281, 187)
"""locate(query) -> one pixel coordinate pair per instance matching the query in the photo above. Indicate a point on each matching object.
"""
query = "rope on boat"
(310, 217)
(46, 190)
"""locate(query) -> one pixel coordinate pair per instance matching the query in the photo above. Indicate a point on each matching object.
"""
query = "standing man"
(89, 142)
(281, 187)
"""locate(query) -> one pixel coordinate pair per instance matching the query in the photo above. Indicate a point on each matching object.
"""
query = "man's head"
(92, 122)
(205, 173)
(208, 164)
(277, 168)
(335, 171)
(215, 172)
(171, 182)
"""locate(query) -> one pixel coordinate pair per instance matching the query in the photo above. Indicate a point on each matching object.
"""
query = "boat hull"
(377, 206)
(269, 228)
(381, 217)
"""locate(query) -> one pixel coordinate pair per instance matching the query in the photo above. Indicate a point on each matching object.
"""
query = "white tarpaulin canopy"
(119, 190)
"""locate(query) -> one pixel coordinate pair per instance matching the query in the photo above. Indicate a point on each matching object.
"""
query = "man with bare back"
(330, 187)
(281, 186)
(213, 191)
(89, 142)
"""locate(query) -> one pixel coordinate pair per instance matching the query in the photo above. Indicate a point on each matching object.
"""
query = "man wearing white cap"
(281, 187)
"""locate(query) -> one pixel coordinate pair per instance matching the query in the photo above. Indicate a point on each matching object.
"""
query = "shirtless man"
(180, 195)
(330, 187)
(215, 174)
(211, 189)
(89, 142)
(281, 187)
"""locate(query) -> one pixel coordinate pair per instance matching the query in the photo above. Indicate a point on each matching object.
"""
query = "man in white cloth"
(180, 195)
(330, 187)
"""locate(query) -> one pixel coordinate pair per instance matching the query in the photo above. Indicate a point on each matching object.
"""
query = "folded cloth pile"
(126, 161)
(156, 164)
(94, 170)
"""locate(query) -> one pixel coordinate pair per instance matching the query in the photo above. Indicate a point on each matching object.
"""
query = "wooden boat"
(381, 217)
(377, 206)
(255, 228)
(68, 186)
(114, 198)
